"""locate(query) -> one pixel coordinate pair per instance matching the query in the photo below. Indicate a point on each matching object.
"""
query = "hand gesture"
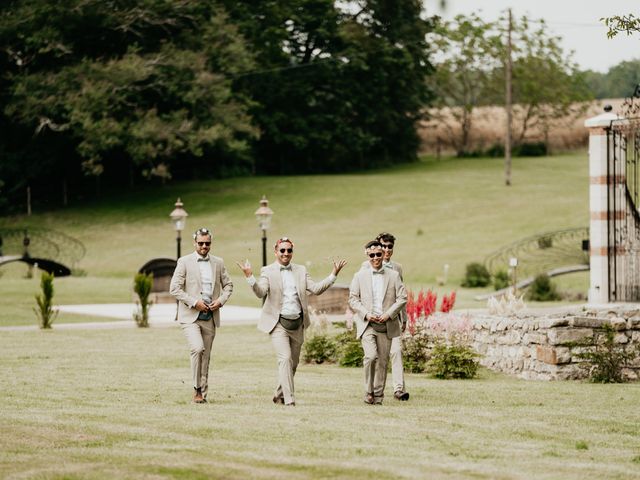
(337, 266)
(245, 267)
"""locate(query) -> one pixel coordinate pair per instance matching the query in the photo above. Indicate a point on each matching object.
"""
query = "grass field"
(105, 404)
(451, 211)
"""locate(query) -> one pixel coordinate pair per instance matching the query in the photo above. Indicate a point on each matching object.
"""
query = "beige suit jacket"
(269, 285)
(398, 268)
(186, 286)
(361, 300)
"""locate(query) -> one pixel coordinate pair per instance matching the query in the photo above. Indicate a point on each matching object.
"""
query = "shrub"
(142, 284)
(415, 351)
(476, 275)
(319, 348)
(44, 300)
(500, 279)
(350, 353)
(605, 359)
(542, 289)
(454, 360)
(530, 149)
(545, 242)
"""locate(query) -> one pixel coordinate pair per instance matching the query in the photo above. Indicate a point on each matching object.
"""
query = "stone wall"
(334, 300)
(540, 345)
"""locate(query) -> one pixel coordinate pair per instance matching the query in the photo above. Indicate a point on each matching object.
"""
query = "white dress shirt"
(377, 285)
(206, 277)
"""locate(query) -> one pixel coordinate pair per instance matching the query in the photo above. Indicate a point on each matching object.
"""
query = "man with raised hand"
(397, 368)
(377, 296)
(284, 286)
(201, 285)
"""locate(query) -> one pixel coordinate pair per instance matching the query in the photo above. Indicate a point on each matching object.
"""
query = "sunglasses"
(377, 254)
(387, 246)
(203, 243)
(288, 250)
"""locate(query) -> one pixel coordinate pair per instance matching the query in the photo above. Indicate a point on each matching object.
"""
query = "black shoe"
(278, 400)
(402, 396)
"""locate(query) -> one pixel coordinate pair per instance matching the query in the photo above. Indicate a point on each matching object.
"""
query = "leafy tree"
(628, 24)
(618, 82)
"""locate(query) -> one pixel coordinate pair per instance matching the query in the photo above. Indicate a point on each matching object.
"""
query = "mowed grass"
(104, 404)
(452, 211)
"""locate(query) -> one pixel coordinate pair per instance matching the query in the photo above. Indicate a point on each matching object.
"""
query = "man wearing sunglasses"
(397, 369)
(285, 286)
(377, 297)
(201, 285)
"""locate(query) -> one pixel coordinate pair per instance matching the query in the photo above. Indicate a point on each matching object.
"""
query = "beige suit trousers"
(200, 335)
(287, 344)
(376, 346)
(397, 368)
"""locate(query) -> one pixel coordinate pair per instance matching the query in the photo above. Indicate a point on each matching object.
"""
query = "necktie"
(205, 259)
(288, 267)
(379, 272)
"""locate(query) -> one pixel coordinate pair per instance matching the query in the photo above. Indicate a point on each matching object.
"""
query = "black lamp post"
(263, 215)
(179, 218)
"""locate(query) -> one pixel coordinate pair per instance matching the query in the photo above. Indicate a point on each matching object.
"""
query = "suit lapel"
(297, 275)
(367, 285)
(214, 267)
(194, 265)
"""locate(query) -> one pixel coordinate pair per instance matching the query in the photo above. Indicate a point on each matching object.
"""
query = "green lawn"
(104, 404)
(452, 211)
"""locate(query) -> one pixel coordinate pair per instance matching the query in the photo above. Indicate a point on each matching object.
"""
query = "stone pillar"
(598, 192)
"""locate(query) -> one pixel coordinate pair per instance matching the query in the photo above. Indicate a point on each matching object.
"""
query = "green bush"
(44, 301)
(476, 275)
(543, 289)
(319, 348)
(530, 149)
(350, 353)
(452, 361)
(500, 280)
(415, 352)
(605, 359)
(142, 284)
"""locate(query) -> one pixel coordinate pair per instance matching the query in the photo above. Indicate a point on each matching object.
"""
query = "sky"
(576, 21)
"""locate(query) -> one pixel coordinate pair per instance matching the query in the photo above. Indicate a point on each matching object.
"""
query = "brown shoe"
(369, 399)
(292, 404)
(197, 397)
(402, 396)
(278, 400)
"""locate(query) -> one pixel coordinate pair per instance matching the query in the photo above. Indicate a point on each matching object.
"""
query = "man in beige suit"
(284, 286)
(377, 296)
(201, 285)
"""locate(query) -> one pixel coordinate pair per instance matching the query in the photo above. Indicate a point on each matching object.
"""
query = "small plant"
(448, 301)
(415, 351)
(582, 445)
(142, 284)
(605, 358)
(455, 360)
(320, 348)
(500, 279)
(350, 353)
(476, 275)
(543, 289)
(44, 311)
(545, 242)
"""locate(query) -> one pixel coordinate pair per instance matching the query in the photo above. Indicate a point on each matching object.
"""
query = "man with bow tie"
(202, 286)
(284, 286)
(377, 297)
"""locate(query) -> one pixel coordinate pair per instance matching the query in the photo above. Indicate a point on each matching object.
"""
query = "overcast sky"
(576, 21)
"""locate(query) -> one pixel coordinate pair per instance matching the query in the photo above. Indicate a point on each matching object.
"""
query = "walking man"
(284, 286)
(397, 368)
(377, 296)
(201, 285)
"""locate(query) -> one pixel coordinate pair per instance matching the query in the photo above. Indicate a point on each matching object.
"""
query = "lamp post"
(263, 215)
(179, 218)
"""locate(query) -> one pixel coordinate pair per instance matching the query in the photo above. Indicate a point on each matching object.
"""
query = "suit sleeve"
(178, 281)
(401, 299)
(261, 287)
(226, 284)
(354, 298)
(317, 288)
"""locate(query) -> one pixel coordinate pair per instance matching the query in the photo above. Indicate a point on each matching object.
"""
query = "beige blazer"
(361, 300)
(398, 268)
(186, 286)
(269, 285)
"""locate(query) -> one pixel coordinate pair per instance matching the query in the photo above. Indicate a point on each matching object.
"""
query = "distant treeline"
(619, 82)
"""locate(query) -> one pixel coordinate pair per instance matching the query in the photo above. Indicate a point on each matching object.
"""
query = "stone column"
(598, 192)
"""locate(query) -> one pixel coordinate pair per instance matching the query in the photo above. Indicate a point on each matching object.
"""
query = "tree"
(622, 23)
(468, 52)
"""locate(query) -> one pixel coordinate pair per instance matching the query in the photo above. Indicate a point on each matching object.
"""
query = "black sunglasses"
(204, 243)
(377, 254)
(288, 250)
(387, 246)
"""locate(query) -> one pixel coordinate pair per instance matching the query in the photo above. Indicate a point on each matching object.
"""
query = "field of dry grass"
(489, 124)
